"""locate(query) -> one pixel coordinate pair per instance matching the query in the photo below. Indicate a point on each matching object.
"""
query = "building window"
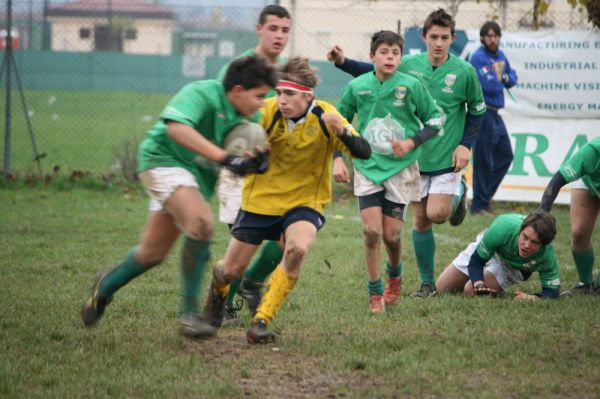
(84, 33)
(131, 34)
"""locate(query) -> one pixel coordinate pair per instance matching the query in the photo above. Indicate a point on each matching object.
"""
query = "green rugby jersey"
(202, 105)
(501, 238)
(248, 53)
(456, 89)
(585, 164)
(393, 108)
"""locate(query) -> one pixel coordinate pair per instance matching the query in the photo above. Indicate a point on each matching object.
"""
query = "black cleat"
(425, 291)
(214, 309)
(231, 317)
(94, 306)
(250, 290)
(259, 333)
(194, 326)
(581, 289)
(461, 211)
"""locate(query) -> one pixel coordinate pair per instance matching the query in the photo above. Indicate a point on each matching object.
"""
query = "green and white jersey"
(585, 164)
(501, 238)
(203, 106)
(456, 89)
(394, 108)
(248, 53)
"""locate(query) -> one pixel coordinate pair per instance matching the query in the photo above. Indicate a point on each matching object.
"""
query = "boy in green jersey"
(583, 171)
(454, 85)
(391, 107)
(273, 30)
(508, 252)
(174, 168)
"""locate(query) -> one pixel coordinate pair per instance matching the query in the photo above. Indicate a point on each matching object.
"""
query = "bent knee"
(439, 216)
(200, 228)
(372, 236)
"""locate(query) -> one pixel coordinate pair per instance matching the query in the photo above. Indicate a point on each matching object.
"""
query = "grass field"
(329, 346)
(80, 130)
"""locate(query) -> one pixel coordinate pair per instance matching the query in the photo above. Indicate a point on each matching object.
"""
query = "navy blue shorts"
(388, 208)
(253, 228)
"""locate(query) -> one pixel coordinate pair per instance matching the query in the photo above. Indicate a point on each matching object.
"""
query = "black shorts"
(388, 208)
(253, 228)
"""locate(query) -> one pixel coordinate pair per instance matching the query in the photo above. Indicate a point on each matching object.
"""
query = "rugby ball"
(245, 137)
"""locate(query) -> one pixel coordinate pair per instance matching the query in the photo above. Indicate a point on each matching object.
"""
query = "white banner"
(558, 73)
(540, 146)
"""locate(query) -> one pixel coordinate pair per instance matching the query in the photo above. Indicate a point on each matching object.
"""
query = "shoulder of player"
(325, 106)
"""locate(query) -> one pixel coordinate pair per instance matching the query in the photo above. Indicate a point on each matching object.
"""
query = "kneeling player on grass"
(194, 123)
(583, 169)
(290, 197)
(508, 252)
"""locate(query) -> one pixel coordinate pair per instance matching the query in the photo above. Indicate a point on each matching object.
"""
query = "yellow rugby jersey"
(300, 163)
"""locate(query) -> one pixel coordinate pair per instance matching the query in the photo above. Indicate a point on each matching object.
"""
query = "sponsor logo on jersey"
(484, 69)
(449, 80)
(363, 92)
(416, 73)
(400, 93)
(221, 115)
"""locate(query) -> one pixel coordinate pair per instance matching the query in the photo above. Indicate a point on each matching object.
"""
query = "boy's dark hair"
(298, 70)
(249, 72)
(439, 18)
(386, 37)
(273, 9)
(543, 223)
(493, 25)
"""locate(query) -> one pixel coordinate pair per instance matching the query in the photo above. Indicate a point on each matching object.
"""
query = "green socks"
(267, 260)
(394, 271)
(585, 265)
(424, 244)
(376, 287)
(233, 287)
(456, 198)
(123, 273)
(194, 258)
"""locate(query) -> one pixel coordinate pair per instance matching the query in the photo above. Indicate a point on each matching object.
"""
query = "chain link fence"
(89, 77)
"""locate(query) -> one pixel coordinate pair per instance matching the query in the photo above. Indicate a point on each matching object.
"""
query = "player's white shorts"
(579, 184)
(402, 188)
(448, 183)
(505, 275)
(229, 190)
(161, 183)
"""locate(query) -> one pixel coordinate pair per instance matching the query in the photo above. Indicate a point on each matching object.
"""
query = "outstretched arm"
(551, 191)
(353, 67)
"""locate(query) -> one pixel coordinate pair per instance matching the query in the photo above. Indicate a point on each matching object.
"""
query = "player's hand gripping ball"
(244, 138)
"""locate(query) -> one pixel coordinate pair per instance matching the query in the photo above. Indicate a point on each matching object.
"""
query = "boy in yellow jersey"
(290, 197)
(273, 31)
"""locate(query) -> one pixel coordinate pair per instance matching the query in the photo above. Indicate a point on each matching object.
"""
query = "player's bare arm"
(460, 158)
(189, 138)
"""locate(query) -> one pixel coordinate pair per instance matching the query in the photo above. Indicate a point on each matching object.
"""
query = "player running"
(583, 171)
(178, 179)
(391, 108)
(290, 197)
(454, 85)
(273, 30)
